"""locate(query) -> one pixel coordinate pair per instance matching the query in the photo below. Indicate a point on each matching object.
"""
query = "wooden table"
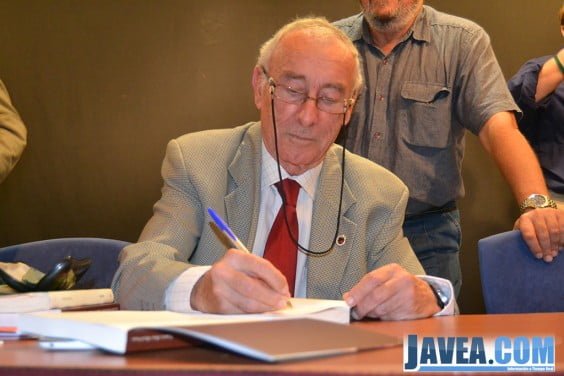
(25, 358)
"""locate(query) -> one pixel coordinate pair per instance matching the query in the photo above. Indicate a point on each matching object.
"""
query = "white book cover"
(112, 330)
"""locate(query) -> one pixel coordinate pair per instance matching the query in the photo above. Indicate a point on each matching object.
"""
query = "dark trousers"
(436, 239)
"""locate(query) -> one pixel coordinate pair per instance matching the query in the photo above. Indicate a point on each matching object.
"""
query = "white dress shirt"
(270, 203)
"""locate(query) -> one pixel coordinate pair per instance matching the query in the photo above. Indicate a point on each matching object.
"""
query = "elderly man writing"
(344, 222)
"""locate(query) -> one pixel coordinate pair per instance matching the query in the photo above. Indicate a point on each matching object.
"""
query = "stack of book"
(13, 305)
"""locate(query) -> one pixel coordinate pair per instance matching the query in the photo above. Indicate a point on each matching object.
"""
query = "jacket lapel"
(325, 273)
(244, 187)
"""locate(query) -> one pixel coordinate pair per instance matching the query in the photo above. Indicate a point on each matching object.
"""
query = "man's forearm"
(513, 155)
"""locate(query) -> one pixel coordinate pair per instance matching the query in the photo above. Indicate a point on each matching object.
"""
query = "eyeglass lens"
(323, 103)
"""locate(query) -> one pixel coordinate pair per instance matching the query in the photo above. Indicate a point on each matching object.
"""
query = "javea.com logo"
(476, 354)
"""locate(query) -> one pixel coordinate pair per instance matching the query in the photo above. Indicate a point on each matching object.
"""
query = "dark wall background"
(103, 85)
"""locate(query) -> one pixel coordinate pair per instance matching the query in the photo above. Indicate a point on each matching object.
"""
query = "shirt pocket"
(425, 118)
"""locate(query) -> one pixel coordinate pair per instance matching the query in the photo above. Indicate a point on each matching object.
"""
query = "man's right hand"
(543, 231)
(240, 283)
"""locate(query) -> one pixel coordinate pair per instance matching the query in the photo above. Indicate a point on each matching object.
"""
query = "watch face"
(538, 200)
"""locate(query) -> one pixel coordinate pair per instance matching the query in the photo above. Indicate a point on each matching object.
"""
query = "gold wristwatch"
(537, 201)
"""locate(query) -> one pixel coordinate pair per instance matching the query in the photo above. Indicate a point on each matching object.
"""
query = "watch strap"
(438, 295)
(531, 202)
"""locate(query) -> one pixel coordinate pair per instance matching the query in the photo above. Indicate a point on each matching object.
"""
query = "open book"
(311, 327)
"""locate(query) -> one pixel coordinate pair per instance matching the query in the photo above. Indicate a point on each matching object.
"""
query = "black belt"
(448, 207)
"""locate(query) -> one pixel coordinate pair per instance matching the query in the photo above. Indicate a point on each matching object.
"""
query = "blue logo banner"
(478, 354)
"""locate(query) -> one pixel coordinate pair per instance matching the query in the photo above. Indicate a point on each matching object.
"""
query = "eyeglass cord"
(301, 248)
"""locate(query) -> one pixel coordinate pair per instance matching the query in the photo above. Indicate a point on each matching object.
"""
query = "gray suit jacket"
(221, 169)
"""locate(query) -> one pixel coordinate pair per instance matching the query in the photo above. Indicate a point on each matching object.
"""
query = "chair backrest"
(514, 281)
(45, 254)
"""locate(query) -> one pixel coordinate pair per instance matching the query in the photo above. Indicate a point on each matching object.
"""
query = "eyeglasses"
(290, 95)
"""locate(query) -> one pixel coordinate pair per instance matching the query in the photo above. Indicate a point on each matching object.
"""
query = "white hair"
(317, 26)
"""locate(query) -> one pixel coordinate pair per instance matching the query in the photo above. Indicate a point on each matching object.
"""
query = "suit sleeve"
(389, 245)
(167, 242)
(13, 134)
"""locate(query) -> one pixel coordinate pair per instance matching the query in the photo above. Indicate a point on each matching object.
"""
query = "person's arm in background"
(550, 76)
(13, 134)
(488, 110)
(542, 229)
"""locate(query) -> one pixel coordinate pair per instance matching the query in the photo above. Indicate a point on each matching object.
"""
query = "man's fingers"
(241, 282)
(528, 232)
(252, 294)
(392, 293)
(366, 285)
(263, 270)
(554, 230)
(369, 296)
(560, 219)
(543, 231)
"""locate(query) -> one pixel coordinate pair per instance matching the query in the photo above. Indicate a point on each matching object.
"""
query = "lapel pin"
(341, 240)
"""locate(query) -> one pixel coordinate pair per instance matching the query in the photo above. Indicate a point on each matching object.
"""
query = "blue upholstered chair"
(514, 281)
(45, 254)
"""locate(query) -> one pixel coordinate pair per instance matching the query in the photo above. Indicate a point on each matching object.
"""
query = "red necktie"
(280, 250)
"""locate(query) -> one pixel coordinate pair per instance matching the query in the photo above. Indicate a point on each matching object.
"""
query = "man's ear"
(258, 86)
(348, 114)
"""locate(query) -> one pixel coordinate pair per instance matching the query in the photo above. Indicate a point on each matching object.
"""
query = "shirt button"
(381, 98)
(385, 61)
(378, 135)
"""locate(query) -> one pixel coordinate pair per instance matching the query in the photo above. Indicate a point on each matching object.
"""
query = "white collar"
(269, 174)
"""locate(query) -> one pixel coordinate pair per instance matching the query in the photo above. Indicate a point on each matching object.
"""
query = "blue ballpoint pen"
(235, 242)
